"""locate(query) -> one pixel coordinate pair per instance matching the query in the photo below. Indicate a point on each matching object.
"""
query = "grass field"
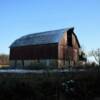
(4, 66)
(49, 86)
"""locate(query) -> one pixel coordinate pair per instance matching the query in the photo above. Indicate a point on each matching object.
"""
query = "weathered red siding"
(47, 51)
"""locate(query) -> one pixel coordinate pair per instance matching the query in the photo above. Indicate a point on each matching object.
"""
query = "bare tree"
(4, 59)
(96, 55)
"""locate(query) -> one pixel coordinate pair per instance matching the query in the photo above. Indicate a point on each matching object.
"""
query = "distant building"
(56, 48)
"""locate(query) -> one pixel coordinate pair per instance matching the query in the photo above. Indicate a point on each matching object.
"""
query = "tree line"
(4, 59)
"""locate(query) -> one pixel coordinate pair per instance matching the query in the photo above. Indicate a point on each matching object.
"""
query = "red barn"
(56, 48)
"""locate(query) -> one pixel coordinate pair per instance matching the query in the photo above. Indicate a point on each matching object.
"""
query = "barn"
(55, 48)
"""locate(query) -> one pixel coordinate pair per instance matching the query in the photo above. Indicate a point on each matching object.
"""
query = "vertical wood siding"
(48, 51)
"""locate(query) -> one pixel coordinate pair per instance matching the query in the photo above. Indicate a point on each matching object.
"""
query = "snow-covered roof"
(40, 38)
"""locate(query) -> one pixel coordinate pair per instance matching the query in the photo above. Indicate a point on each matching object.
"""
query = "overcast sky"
(21, 17)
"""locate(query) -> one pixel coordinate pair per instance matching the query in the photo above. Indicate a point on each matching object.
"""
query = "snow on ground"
(91, 59)
(36, 71)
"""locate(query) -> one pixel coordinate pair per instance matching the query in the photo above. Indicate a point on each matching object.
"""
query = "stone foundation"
(40, 63)
(34, 63)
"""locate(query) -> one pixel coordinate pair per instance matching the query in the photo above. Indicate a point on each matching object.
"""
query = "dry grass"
(4, 66)
(47, 86)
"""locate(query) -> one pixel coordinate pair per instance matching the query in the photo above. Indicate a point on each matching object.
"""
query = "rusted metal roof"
(40, 38)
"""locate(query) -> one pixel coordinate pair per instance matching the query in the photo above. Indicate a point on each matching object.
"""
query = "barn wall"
(75, 49)
(12, 63)
(33, 63)
(74, 42)
(19, 63)
(61, 50)
(49, 51)
(67, 55)
(30, 63)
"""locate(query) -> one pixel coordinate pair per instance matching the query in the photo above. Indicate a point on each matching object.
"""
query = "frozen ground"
(37, 71)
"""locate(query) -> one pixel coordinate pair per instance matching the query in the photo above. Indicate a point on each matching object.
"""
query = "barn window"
(69, 39)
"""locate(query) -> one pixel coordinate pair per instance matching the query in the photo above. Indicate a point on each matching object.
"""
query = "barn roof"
(40, 38)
